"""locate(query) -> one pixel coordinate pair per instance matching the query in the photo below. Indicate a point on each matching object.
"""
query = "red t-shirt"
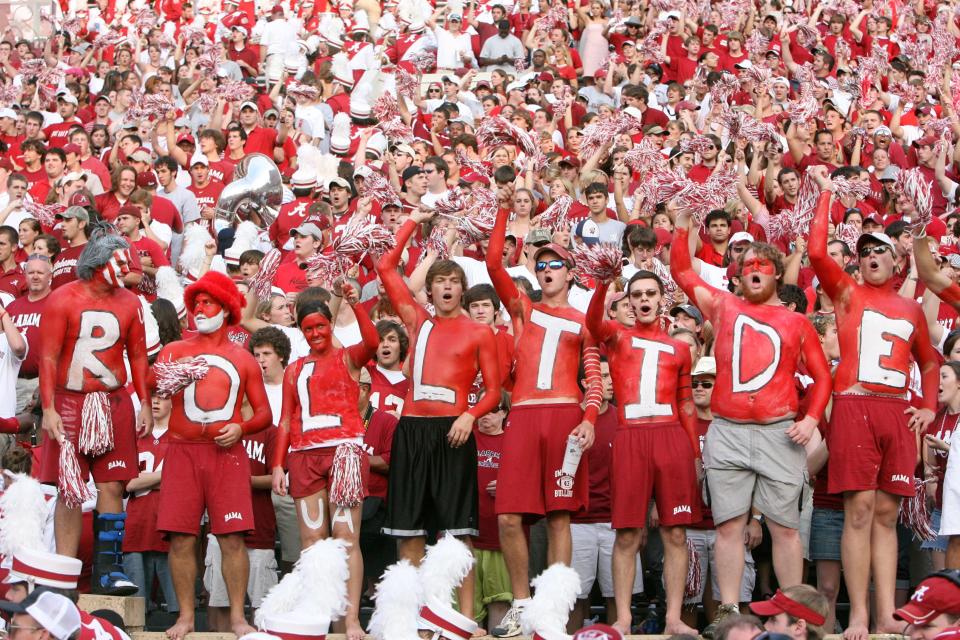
(599, 458)
(65, 266)
(108, 205)
(259, 447)
(387, 389)
(141, 533)
(489, 449)
(26, 317)
(58, 134)
(378, 438)
(13, 281)
(291, 277)
(261, 140)
(207, 196)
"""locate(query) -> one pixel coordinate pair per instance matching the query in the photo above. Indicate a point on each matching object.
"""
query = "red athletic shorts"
(310, 471)
(530, 480)
(653, 460)
(117, 465)
(876, 449)
(203, 475)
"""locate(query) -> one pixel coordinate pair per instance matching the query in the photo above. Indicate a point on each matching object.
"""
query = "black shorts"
(433, 486)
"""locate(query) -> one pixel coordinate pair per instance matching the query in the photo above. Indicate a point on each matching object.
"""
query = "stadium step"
(130, 609)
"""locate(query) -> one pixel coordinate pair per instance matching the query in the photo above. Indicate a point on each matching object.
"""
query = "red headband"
(781, 603)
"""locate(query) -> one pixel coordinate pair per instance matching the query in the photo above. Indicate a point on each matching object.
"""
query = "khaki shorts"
(754, 465)
(263, 574)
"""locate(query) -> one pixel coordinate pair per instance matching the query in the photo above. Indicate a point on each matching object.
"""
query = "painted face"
(207, 313)
(118, 266)
(318, 332)
(758, 265)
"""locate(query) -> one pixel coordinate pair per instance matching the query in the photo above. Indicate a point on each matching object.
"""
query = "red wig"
(222, 289)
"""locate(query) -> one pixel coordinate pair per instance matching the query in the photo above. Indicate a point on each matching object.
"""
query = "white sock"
(520, 603)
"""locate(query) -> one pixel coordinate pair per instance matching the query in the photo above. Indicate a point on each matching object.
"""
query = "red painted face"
(318, 332)
(205, 306)
(758, 265)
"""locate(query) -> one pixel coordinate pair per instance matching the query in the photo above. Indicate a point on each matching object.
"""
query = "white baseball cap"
(52, 611)
(741, 236)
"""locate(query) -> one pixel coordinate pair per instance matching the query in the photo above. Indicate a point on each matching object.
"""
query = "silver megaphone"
(256, 188)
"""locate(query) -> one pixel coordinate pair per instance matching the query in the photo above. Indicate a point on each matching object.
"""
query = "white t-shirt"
(275, 398)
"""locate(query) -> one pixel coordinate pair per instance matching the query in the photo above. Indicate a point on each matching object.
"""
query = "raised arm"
(681, 268)
(600, 328)
(502, 282)
(397, 290)
(360, 354)
(834, 279)
(932, 277)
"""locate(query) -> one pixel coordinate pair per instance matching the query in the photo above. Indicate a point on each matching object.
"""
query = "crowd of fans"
(484, 156)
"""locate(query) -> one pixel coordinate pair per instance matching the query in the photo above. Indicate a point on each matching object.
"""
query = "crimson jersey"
(489, 449)
(205, 406)
(598, 459)
(758, 348)
(65, 266)
(455, 347)
(880, 332)
(141, 529)
(291, 216)
(221, 171)
(208, 195)
(259, 447)
(26, 316)
(706, 521)
(378, 439)
(387, 389)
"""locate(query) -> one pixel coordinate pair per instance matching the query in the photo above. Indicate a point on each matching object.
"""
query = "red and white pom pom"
(378, 188)
(71, 483)
(471, 164)
(602, 262)
(262, 283)
(601, 132)
(346, 482)
(395, 129)
(451, 203)
(425, 61)
(842, 187)
(436, 243)
(96, 425)
(849, 234)
(742, 125)
(804, 109)
(193, 36)
(327, 268)
(556, 216)
(145, 20)
(496, 131)
(173, 377)
(807, 35)
(554, 18)
(362, 237)
(385, 107)
(150, 107)
(694, 584)
(10, 94)
(407, 85)
(479, 216)
(302, 92)
(207, 102)
(757, 44)
(724, 88)
(235, 91)
(73, 26)
(912, 184)
(914, 513)
(645, 156)
(46, 214)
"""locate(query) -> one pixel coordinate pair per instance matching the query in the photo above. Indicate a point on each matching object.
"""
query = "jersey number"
(391, 402)
(759, 380)
(553, 330)
(425, 391)
(874, 344)
(217, 414)
(311, 421)
(647, 405)
(99, 331)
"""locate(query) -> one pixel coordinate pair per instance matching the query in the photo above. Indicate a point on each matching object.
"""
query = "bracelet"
(758, 517)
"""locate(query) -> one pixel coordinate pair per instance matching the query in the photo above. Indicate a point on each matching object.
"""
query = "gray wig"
(98, 250)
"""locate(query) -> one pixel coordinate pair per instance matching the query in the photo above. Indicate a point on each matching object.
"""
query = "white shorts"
(593, 558)
(263, 575)
(950, 513)
(705, 541)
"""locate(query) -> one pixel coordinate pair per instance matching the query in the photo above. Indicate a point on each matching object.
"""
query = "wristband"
(759, 518)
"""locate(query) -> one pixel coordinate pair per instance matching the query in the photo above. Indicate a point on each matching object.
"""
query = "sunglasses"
(878, 250)
(553, 264)
(698, 384)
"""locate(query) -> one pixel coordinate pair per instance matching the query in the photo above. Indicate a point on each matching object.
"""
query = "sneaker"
(509, 627)
(724, 611)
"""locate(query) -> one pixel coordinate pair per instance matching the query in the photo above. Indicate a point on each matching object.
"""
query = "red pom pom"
(173, 377)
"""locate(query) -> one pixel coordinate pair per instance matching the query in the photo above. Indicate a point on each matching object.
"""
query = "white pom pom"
(398, 602)
(23, 513)
(444, 567)
(556, 591)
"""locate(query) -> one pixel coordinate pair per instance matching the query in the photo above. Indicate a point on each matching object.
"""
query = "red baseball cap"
(71, 148)
(598, 632)
(128, 210)
(935, 595)
(782, 603)
(555, 248)
(950, 633)
(664, 237)
(79, 199)
(926, 141)
(146, 179)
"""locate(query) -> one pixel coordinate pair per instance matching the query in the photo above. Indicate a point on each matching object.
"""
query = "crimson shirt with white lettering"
(26, 316)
